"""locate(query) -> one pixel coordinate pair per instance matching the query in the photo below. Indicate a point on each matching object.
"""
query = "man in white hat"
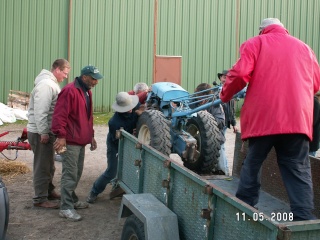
(283, 75)
(126, 117)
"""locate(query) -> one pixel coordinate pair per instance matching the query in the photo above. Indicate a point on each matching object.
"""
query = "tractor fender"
(168, 91)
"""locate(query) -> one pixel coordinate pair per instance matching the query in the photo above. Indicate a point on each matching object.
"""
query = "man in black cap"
(73, 126)
(229, 107)
(230, 120)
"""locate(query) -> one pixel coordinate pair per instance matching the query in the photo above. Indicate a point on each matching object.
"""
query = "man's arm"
(42, 103)
(240, 74)
(61, 113)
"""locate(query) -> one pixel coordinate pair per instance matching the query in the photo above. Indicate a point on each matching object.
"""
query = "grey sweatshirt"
(43, 99)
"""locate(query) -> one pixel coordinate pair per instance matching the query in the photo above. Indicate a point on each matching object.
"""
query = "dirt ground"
(100, 220)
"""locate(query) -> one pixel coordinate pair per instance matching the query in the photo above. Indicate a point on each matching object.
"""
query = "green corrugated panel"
(30, 37)
(136, 38)
(8, 47)
(226, 41)
(128, 67)
(205, 39)
(199, 47)
(116, 36)
(16, 38)
(190, 58)
(301, 18)
(205, 74)
(24, 55)
(31, 43)
(3, 92)
(214, 36)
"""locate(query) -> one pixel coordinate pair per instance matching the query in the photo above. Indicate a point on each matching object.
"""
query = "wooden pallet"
(18, 100)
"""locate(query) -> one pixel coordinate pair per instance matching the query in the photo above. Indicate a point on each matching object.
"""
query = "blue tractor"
(172, 124)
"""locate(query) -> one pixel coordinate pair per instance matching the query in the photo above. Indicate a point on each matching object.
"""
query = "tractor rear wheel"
(153, 129)
(204, 129)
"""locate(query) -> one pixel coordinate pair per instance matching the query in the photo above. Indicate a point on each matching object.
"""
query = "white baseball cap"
(269, 21)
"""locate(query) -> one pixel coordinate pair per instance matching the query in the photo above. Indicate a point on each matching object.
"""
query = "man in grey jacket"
(43, 99)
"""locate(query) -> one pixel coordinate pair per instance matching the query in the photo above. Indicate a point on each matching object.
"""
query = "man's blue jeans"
(293, 160)
(313, 154)
(110, 173)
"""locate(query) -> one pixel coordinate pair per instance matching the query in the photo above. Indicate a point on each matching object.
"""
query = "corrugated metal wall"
(33, 34)
(117, 37)
(300, 17)
(202, 32)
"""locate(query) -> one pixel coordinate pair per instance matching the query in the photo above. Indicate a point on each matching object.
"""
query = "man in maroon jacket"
(73, 126)
(283, 75)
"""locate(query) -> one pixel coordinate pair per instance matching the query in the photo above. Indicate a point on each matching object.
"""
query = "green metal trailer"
(165, 200)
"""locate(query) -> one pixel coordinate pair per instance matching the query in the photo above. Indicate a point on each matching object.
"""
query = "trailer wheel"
(204, 129)
(133, 229)
(153, 129)
(4, 210)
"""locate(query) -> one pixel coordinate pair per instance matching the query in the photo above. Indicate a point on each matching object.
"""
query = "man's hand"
(235, 129)
(44, 138)
(140, 110)
(93, 144)
(60, 145)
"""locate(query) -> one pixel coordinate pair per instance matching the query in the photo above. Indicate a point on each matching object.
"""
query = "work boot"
(54, 196)
(70, 214)
(92, 197)
(80, 205)
(47, 204)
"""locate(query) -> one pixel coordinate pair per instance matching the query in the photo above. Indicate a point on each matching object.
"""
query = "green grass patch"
(18, 122)
(238, 106)
(98, 119)
(101, 118)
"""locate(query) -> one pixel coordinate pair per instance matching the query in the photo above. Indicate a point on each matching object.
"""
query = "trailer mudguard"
(160, 223)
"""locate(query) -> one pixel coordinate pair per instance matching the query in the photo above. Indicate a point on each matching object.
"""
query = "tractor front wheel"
(153, 129)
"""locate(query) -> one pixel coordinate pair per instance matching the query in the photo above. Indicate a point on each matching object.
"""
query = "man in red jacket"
(141, 90)
(283, 75)
(72, 123)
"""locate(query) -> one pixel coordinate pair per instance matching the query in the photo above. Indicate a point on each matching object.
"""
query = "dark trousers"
(293, 160)
(43, 166)
(110, 173)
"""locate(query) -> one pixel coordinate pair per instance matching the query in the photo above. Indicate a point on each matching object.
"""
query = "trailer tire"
(153, 129)
(4, 210)
(204, 128)
(133, 229)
